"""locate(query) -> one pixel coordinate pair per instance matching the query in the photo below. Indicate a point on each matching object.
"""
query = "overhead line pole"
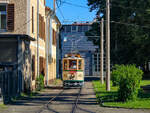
(38, 38)
(107, 45)
(102, 51)
(54, 5)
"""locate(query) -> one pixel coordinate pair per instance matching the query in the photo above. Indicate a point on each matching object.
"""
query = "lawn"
(2, 106)
(110, 98)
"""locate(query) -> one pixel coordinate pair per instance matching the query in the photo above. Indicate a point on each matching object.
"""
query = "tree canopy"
(130, 29)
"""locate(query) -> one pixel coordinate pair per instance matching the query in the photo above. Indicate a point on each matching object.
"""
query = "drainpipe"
(37, 38)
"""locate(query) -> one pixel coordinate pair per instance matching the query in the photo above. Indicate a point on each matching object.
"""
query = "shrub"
(116, 74)
(40, 82)
(129, 82)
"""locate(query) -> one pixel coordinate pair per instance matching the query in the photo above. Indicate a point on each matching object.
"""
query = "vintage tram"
(73, 70)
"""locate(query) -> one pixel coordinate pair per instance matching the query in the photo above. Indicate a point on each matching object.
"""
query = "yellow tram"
(73, 70)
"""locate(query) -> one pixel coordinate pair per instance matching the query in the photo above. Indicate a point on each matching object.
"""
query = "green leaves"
(128, 79)
(40, 82)
(130, 31)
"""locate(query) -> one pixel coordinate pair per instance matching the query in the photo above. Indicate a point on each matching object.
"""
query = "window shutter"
(41, 65)
(44, 32)
(44, 66)
(40, 27)
(44, 2)
(53, 37)
(10, 17)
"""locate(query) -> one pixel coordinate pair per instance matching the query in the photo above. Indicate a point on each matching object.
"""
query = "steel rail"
(74, 108)
(46, 105)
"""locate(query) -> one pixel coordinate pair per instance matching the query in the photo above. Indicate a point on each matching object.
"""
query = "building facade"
(52, 55)
(73, 40)
(23, 40)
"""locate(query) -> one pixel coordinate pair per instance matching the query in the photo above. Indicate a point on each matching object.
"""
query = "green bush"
(129, 82)
(116, 73)
(40, 82)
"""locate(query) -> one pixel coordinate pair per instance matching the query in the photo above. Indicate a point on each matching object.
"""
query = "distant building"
(73, 39)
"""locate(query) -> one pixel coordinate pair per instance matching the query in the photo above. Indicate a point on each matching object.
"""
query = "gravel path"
(87, 103)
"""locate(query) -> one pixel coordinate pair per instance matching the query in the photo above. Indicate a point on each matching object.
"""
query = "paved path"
(31, 105)
(87, 103)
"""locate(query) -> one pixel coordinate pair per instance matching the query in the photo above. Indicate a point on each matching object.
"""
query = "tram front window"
(80, 64)
(65, 64)
(72, 64)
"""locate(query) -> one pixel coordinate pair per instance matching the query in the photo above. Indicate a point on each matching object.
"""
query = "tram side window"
(65, 64)
(80, 64)
(72, 64)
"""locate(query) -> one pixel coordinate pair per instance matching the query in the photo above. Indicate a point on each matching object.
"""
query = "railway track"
(74, 108)
(58, 96)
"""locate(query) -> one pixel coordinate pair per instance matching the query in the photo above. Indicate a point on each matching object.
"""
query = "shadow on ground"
(91, 78)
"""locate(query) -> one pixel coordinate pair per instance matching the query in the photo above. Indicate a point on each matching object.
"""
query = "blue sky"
(71, 12)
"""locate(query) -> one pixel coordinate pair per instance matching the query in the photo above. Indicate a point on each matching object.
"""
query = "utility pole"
(38, 38)
(54, 5)
(107, 45)
(102, 50)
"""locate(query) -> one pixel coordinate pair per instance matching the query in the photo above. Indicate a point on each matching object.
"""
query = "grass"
(145, 82)
(57, 82)
(2, 106)
(110, 98)
(25, 95)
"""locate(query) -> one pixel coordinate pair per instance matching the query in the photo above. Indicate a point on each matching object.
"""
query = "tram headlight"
(65, 75)
(80, 75)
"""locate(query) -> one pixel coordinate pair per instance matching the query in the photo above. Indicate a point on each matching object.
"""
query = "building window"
(74, 28)
(68, 28)
(32, 19)
(85, 28)
(33, 67)
(42, 66)
(79, 28)
(3, 17)
(41, 27)
(54, 37)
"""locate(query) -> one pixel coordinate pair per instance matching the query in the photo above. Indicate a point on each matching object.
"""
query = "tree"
(130, 30)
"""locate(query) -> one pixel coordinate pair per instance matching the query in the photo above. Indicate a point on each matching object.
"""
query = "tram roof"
(72, 58)
(72, 55)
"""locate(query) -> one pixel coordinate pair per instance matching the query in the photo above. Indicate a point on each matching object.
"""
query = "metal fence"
(9, 85)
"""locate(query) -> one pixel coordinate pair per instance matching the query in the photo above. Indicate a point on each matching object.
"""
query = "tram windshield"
(72, 64)
(65, 64)
(80, 64)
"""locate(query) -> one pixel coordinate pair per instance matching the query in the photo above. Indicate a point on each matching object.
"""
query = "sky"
(69, 11)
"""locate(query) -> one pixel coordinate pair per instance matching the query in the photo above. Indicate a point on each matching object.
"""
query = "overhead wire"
(129, 24)
(60, 10)
(76, 5)
(62, 1)
(111, 4)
